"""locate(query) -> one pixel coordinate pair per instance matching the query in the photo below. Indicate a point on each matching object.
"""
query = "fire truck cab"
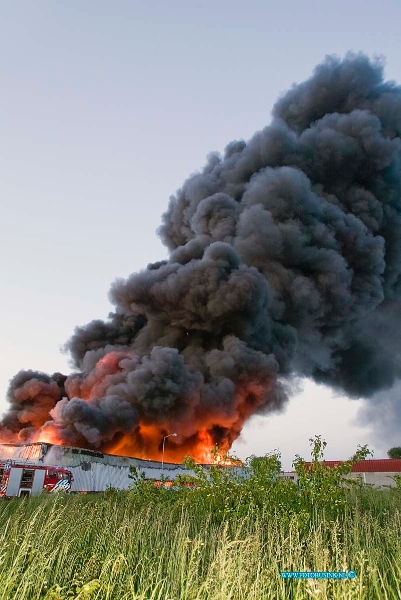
(19, 479)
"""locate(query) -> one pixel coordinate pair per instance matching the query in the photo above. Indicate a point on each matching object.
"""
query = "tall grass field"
(228, 538)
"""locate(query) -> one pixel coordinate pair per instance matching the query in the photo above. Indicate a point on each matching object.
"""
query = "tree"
(394, 452)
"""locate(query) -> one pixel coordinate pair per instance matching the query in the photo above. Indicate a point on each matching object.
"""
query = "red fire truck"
(21, 479)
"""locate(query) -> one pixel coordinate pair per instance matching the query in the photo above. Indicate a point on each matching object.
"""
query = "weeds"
(228, 538)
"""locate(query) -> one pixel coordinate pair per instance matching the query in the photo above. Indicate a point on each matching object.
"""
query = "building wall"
(376, 480)
(290, 475)
(92, 471)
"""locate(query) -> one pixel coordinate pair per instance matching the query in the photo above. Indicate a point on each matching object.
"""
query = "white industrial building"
(92, 471)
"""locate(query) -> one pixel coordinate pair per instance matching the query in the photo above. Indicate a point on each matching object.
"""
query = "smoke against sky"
(284, 262)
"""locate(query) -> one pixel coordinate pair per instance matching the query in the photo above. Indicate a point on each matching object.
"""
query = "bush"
(322, 486)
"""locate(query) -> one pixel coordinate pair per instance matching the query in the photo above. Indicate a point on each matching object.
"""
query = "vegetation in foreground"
(228, 538)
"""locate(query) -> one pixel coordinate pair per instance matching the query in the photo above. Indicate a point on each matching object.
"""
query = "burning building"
(91, 471)
(285, 262)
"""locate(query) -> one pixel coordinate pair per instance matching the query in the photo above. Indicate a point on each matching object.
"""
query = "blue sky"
(106, 109)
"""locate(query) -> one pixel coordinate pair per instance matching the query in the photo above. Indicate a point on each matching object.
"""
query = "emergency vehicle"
(21, 479)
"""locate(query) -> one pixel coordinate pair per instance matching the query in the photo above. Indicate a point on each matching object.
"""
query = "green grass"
(157, 544)
(227, 539)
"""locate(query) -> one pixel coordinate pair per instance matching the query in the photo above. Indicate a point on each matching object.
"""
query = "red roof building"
(381, 465)
(380, 472)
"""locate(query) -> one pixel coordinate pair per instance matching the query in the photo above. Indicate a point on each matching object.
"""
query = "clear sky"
(106, 108)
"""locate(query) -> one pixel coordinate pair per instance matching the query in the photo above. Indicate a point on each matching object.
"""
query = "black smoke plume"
(285, 260)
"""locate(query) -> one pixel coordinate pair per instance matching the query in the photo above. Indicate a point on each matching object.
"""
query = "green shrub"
(322, 486)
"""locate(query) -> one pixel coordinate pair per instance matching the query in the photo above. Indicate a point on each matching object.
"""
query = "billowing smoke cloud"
(31, 395)
(285, 261)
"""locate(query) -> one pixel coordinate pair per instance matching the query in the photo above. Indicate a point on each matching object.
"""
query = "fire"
(209, 453)
(147, 443)
(204, 447)
(49, 436)
(205, 437)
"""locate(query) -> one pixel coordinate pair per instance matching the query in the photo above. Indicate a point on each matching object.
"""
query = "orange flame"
(197, 437)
